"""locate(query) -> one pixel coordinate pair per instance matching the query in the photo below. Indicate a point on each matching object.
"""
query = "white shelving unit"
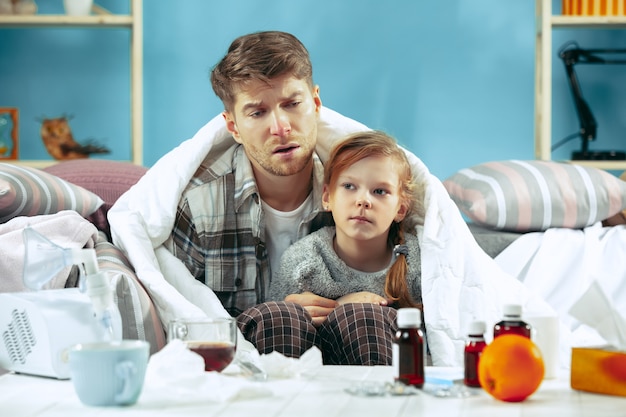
(101, 19)
(545, 23)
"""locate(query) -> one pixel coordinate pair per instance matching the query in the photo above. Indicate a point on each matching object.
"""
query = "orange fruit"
(510, 368)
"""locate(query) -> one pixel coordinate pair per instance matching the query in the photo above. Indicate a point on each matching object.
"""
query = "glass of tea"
(215, 339)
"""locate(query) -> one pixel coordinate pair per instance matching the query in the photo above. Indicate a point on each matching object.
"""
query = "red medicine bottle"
(408, 348)
(512, 322)
(473, 349)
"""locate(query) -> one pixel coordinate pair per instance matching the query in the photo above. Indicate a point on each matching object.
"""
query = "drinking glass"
(215, 339)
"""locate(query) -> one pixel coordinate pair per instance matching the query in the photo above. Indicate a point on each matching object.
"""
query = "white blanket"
(560, 264)
(459, 281)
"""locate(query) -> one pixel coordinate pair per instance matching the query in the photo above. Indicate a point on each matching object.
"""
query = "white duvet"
(460, 282)
(560, 264)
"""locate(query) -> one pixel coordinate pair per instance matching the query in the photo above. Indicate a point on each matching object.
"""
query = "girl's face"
(366, 199)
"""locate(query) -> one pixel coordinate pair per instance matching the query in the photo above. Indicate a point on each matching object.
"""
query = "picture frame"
(9, 138)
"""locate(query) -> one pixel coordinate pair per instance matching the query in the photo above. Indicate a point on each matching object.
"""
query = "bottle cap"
(512, 310)
(477, 327)
(409, 317)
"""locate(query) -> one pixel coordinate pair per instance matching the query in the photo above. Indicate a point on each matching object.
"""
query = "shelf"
(99, 19)
(590, 22)
(545, 23)
(606, 165)
(31, 163)
(93, 21)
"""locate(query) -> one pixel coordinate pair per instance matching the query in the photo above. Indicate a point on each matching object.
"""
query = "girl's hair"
(362, 145)
(259, 56)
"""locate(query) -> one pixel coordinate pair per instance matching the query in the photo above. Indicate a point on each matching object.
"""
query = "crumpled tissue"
(175, 374)
(276, 365)
(595, 309)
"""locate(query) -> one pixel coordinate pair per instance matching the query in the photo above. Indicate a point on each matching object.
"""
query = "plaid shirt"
(219, 230)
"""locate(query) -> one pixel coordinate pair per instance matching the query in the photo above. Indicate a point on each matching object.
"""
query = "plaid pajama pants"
(353, 334)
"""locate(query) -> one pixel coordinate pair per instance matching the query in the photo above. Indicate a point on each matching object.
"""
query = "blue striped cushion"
(525, 196)
(26, 191)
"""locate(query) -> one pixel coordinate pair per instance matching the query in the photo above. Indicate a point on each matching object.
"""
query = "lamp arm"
(572, 54)
(588, 124)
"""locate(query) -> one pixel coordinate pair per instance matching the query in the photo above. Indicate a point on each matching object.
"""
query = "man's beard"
(283, 169)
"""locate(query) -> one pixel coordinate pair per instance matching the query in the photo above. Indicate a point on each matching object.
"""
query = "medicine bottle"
(473, 349)
(512, 322)
(408, 348)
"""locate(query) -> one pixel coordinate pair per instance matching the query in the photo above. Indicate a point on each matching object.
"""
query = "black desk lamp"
(571, 55)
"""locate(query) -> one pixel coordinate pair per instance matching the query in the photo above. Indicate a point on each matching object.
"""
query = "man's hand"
(318, 307)
(363, 297)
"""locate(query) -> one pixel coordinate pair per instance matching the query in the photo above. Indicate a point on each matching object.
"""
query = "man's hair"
(259, 56)
(362, 145)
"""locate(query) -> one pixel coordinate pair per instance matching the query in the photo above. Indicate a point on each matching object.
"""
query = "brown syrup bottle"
(512, 322)
(408, 348)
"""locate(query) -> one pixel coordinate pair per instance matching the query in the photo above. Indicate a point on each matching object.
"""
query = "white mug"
(545, 334)
(109, 373)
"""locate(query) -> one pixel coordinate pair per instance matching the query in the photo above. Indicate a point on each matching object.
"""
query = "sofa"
(89, 187)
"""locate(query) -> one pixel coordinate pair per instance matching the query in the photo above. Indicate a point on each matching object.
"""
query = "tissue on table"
(176, 375)
(276, 365)
(600, 369)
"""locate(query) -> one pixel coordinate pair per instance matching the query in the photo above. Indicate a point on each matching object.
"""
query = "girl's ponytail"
(396, 287)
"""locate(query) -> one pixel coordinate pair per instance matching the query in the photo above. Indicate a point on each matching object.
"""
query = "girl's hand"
(363, 297)
(318, 307)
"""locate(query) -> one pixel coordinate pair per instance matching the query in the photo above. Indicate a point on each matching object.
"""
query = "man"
(205, 226)
(246, 203)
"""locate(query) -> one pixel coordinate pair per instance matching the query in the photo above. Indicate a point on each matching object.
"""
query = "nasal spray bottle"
(44, 259)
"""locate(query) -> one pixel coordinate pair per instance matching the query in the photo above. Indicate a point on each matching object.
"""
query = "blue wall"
(453, 80)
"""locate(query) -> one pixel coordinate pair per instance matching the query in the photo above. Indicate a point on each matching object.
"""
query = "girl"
(371, 254)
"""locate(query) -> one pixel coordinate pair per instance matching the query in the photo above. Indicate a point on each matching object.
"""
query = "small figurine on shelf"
(18, 7)
(60, 144)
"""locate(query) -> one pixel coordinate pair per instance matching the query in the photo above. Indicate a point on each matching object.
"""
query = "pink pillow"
(105, 178)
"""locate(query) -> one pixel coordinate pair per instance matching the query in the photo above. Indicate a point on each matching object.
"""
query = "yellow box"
(599, 369)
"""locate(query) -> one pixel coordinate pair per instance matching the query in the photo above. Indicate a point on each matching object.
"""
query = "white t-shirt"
(281, 229)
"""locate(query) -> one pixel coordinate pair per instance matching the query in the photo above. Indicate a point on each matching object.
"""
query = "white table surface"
(322, 394)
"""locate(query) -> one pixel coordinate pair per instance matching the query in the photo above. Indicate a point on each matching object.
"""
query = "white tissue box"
(599, 369)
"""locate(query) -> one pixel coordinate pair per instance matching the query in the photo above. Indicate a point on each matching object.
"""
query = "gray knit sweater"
(311, 264)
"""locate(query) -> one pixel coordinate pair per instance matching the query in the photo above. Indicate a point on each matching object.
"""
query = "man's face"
(276, 124)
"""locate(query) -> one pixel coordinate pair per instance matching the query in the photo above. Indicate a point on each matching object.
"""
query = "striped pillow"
(26, 191)
(140, 319)
(525, 196)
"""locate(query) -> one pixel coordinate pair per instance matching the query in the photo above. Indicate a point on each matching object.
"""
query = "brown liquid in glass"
(216, 355)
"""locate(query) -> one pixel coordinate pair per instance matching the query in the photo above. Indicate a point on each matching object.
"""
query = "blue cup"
(109, 373)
